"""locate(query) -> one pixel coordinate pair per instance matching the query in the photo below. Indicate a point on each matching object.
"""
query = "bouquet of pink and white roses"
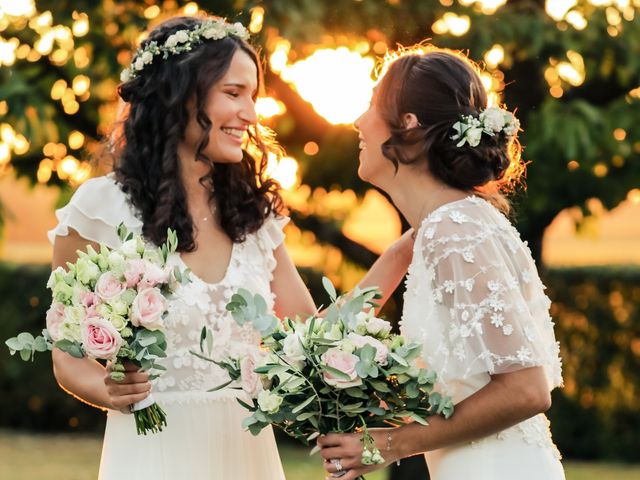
(341, 372)
(110, 305)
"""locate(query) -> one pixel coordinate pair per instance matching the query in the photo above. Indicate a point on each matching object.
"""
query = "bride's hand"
(133, 388)
(345, 450)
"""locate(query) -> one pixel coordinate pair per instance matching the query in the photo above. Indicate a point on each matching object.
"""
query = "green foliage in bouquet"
(340, 371)
(110, 305)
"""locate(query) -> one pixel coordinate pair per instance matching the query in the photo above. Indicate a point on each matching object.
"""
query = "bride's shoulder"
(95, 210)
(105, 185)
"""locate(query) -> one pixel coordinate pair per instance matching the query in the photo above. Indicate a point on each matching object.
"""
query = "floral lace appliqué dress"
(204, 439)
(476, 303)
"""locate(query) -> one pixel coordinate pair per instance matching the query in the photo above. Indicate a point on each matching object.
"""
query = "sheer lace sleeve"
(485, 284)
(95, 211)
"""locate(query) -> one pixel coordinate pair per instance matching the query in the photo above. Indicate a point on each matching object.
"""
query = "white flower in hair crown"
(182, 41)
(491, 121)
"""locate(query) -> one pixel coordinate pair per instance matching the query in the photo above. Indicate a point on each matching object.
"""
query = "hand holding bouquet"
(110, 305)
(342, 372)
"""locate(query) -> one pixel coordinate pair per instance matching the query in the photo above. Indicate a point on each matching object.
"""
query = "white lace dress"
(204, 439)
(476, 303)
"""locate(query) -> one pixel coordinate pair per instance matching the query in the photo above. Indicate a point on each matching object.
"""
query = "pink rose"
(251, 381)
(153, 276)
(133, 272)
(147, 309)
(100, 339)
(55, 317)
(109, 286)
(89, 300)
(346, 363)
(91, 312)
(381, 349)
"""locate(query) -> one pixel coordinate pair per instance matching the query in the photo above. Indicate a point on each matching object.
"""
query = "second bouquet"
(343, 371)
(111, 305)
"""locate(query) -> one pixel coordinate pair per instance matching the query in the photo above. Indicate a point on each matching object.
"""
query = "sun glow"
(337, 82)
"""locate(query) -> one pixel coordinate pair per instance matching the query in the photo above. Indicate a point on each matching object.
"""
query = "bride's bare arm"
(84, 378)
(387, 272)
(292, 296)
(508, 399)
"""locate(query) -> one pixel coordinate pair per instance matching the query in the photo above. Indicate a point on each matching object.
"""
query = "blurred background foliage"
(570, 69)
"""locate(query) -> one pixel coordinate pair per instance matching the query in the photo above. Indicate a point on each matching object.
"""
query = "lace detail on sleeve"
(95, 211)
(486, 287)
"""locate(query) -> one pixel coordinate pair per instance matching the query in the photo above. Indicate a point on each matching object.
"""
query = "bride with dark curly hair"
(190, 157)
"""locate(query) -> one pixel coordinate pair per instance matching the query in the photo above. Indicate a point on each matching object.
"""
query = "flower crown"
(491, 121)
(182, 41)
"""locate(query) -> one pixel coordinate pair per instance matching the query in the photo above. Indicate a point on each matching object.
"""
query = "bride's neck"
(417, 195)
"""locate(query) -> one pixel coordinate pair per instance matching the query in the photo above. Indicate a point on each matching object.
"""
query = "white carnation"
(512, 127)
(493, 119)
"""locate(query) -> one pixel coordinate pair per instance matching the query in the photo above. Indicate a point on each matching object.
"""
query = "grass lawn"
(75, 457)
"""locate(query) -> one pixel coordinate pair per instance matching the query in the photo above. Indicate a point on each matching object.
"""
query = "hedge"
(595, 416)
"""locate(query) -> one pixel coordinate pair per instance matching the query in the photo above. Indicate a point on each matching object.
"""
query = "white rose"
(214, 33)
(119, 307)
(55, 277)
(125, 75)
(118, 322)
(238, 30)
(493, 119)
(71, 331)
(269, 402)
(292, 347)
(182, 36)
(147, 57)
(347, 345)
(378, 327)
(86, 271)
(138, 64)
(130, 249)
(472, 136)
(74, 315)
(153, 256)
(171, 41)
(116, 262)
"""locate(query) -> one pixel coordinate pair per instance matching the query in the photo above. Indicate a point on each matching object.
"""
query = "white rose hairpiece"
(182, 41)
(491, 121)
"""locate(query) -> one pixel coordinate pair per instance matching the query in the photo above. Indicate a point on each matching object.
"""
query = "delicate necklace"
(212, 211)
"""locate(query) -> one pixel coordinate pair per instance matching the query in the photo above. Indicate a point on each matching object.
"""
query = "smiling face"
(373, 131)
(230, 105)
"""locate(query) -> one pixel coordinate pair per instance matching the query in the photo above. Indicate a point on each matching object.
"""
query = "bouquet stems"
(150, 419)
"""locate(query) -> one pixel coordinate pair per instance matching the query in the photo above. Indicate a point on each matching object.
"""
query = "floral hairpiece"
(182, 41)
(491, 121)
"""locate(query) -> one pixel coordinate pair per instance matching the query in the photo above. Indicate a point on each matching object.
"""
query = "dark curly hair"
(438, 86)
(146, 160)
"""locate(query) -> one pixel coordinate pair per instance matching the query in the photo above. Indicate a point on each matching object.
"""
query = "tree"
(573, 77)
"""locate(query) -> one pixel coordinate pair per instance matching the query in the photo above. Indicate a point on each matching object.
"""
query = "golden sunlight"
(267, 107)
(337, 82)
(17, 8)
(285, 171)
